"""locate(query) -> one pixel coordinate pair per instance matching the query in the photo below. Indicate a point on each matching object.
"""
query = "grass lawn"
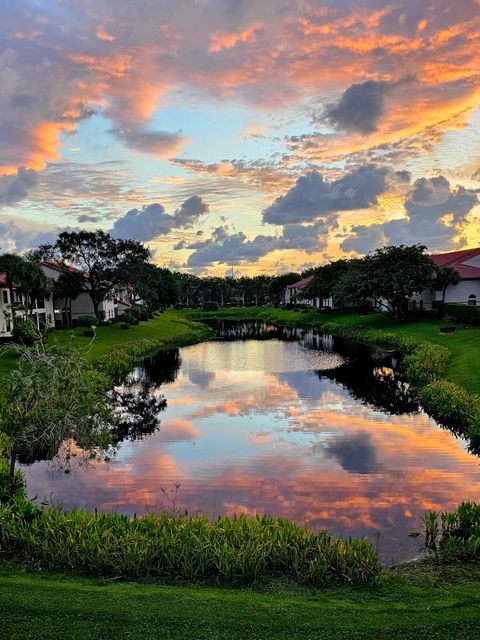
(171, 327)
(464, 344)
(426, 604)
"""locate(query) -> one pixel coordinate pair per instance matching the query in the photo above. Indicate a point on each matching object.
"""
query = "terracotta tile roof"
(61, 268)
(456, 259)
(300, 284)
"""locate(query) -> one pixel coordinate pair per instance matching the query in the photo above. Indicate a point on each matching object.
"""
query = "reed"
(234, 549)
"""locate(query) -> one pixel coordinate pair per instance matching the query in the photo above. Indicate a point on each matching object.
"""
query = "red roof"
(3, 279)
(300, 284)
(456, 260)
(61, 268)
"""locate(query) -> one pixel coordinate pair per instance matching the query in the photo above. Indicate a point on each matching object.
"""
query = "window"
(421, 304)
(472, 300)
(5, 296)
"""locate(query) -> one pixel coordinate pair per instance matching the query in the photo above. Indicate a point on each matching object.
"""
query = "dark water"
(279, 421)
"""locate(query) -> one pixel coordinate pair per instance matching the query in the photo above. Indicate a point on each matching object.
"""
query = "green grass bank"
(166, 330)
(464, 345)
(441, 367)
(411, 603)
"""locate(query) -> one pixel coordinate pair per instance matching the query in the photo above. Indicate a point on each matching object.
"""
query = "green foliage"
(120, 360)
(210, 306)
(427, 363)
(462, 313)
(235, 550)
(87, 321)
(454, 536)
(453, 407)
(25, 331)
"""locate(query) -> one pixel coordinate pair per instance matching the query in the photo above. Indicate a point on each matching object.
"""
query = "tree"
(395, 273)
(29, 278)
(444, 277)
(52, 395)
(325, 279)
(351, 288)
(104, 261)
(278, 284)
(69, 286)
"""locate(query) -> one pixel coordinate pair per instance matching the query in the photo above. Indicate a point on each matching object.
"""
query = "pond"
(278, 421)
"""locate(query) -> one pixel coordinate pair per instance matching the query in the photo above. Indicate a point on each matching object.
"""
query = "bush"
(453, 407)
(462, 313)
(124, 326)
(210, 306)
(86, 321)
(426, 363)
(25, 332)
(229, 550)
(88, 333)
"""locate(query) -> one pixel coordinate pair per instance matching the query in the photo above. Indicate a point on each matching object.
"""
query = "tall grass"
(234, 550)
(454, 536)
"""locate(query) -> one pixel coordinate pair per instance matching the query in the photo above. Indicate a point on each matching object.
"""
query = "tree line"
(99, 265)
(387, 278)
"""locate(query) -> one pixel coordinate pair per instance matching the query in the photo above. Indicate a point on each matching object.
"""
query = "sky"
(265, 136)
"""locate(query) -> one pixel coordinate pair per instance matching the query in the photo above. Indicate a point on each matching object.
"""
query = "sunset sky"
(269, 135)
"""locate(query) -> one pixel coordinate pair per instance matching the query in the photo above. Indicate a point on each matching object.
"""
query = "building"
(467, 291)
(69, 310)
(42, 314)
(293, 294)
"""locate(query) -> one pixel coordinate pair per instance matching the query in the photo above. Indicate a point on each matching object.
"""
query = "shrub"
(89, 333)
(426, 363)
(25, 332)
(210, 306)
(453, 407)
(125, 326)
(462, 313)
(229, 550)
(86, 321)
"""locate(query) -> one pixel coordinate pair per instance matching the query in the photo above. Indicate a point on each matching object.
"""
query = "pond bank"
(442, 367)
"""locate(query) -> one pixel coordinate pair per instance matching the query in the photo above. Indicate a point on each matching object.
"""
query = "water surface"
(275, 421)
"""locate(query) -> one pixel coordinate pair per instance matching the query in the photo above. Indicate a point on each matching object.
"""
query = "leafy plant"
(234, 550)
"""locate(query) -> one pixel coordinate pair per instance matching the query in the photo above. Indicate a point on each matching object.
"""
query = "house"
(69, 310)
(42, 314)
(293, 294)
(466, 291)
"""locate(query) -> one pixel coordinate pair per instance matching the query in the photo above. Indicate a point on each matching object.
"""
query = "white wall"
(459, 292)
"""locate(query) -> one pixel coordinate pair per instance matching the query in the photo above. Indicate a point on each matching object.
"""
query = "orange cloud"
(220, 41)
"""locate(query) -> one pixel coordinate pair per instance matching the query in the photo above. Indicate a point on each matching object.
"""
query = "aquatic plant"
(234, 549)
(455, 535)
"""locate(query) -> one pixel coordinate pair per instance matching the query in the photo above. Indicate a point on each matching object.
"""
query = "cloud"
(84, 217)
(161, 144)
(434, 215)
(14, 239)
(232, 248)
(312, 196)
(17, 186)
(152, 221)
(356, 453)
(361, 106)
(228, 248)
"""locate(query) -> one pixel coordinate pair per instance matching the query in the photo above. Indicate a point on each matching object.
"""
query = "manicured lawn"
(171, 327)
(36, 606)
(464, 344)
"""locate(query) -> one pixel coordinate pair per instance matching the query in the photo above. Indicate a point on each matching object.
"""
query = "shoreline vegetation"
(426, 597)
(440, 366)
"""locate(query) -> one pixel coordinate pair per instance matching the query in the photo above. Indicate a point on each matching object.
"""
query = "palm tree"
(444, 277)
